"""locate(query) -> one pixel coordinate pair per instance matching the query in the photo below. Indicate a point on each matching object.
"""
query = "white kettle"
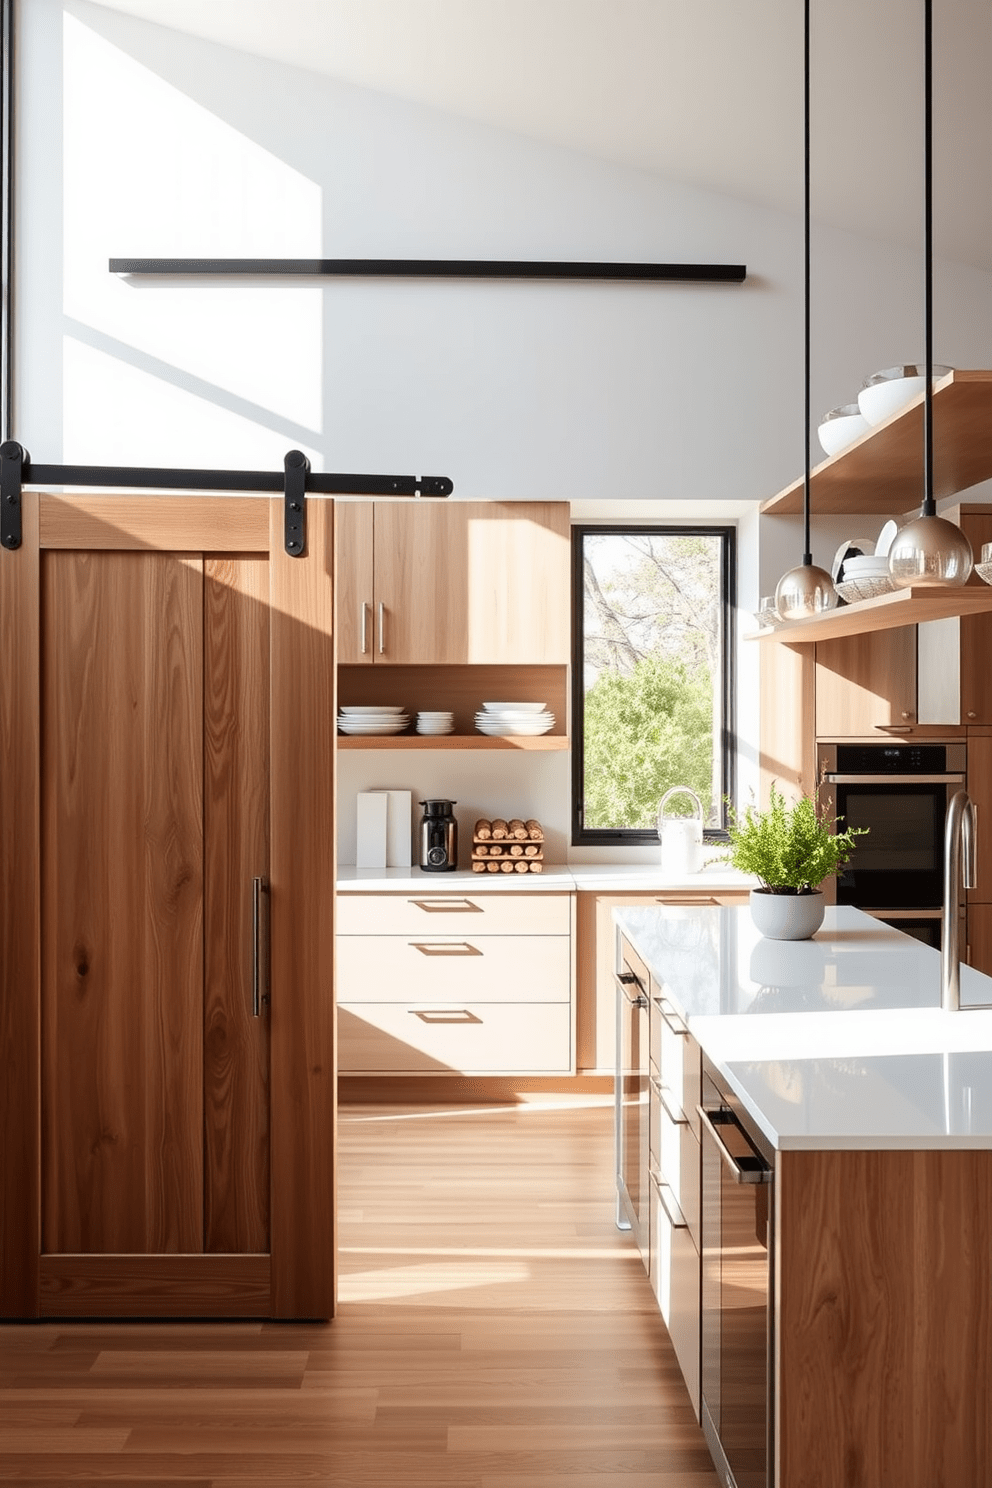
(681, 836)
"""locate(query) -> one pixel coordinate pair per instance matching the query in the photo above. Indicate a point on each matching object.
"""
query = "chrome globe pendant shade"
(929, 552)
(806, 590)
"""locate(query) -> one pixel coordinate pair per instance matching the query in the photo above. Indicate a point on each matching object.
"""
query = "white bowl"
(841, 427)
(870, 586)
(868, 564)
(500, 729)
(887, 392)
(496, 708)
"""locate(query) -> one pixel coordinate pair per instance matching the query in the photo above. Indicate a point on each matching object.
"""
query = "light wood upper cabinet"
(479, 582)
(866, 683)
(353, 593)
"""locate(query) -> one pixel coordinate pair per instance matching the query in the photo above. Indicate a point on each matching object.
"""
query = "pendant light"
(806, 590)
(929, 551)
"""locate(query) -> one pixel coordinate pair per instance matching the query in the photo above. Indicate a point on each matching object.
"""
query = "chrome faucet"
(959, 838)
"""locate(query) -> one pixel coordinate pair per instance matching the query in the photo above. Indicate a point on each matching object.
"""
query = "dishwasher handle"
(749, 1169)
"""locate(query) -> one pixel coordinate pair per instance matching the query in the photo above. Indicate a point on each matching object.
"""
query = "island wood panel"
(884, 1318)
(883, 471)
(357, 633)
(866, 682)
(122, 927)
(302, 845)
(226, 524)
(81, 1286)
(236, 846)
(20, 910)
(479, 582)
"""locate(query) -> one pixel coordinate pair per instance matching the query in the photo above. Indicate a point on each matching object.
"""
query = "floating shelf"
(883, 472)
(451, 741)
(887, 612)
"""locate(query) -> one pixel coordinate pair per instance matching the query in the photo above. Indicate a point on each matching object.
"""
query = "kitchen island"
(873, 1110)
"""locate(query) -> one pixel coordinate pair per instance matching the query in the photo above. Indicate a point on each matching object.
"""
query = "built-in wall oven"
(900, 792)
(738, 1289)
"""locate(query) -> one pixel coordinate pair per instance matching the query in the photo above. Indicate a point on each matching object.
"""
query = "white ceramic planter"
(787, 916)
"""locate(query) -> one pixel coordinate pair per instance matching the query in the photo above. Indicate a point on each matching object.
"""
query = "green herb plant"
(792, 849)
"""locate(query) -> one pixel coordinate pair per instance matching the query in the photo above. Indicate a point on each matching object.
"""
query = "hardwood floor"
(494, 1331)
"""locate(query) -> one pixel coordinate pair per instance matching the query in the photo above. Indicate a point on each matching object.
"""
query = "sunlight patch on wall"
(150, 172)
(116, 414)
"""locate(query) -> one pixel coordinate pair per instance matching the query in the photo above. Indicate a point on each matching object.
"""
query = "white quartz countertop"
(834, 1042)
(599, 878)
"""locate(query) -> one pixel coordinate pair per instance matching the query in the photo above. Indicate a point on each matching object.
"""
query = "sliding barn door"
(167, 712)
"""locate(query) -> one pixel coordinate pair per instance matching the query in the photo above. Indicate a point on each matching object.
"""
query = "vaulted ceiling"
(707, 92)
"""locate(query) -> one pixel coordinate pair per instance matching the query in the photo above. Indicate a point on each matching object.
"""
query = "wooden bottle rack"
(517, 849)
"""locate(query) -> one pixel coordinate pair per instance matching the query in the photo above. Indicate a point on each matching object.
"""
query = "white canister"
(681, 836)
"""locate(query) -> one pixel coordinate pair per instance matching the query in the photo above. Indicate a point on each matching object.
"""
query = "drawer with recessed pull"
(503, 913)
(464, 1037)
(449, 968)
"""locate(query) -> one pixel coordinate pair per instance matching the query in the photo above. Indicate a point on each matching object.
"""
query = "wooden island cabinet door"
(168, 721)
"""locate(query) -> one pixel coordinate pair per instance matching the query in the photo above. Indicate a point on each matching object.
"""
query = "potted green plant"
(792, 849)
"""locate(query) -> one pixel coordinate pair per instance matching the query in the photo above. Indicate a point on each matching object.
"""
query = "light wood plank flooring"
(494, 1331)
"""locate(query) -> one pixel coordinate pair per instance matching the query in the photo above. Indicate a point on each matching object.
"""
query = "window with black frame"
(652, 677)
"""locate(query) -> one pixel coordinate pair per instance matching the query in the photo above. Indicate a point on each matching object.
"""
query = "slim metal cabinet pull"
(382, 628)
(365, 626)
(259, 886)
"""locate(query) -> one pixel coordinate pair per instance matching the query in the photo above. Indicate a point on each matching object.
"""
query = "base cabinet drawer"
(446, 968)
(431, 913)
(676, 1156)
(439, 1037)
(675, 1278)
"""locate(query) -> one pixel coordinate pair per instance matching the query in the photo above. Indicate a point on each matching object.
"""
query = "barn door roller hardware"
(11, 464)
(294, 482)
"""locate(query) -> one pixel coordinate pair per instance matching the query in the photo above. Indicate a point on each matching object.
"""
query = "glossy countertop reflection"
(838, 1041)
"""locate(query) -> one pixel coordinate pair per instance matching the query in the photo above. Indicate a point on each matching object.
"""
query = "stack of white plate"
(368, 720)
(435, 723)
(503, 720)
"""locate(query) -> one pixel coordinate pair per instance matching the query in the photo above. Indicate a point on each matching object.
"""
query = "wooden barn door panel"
(167, 727)
(122, 925)
(236, 832)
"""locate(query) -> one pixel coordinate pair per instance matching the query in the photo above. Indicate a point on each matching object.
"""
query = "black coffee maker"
(438, 837)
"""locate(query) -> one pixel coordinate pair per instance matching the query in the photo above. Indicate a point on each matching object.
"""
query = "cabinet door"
(472, 581)
(980, 791)
(866, 682)
(976, 636)
(353, 522)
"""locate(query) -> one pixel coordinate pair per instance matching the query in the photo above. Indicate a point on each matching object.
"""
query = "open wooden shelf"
(450, 741)
(901, 607)
(883, 472)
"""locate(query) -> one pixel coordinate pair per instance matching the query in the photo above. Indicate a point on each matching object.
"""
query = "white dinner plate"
(372, 710)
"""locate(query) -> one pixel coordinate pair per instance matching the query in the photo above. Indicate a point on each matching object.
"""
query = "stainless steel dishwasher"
(738, 1289)
(631, 1094)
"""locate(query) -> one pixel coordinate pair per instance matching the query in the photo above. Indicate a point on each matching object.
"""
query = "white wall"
(155, 144)
(137, 141)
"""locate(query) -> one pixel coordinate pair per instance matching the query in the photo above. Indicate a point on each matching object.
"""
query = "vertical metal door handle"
(365, 625)
(259, 886)
(382, 628)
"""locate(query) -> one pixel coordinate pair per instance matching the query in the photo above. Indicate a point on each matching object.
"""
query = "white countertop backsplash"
(834, 1042)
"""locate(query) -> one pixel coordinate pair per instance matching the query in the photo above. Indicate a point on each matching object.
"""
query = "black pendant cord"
(807, 546)
(929, 504)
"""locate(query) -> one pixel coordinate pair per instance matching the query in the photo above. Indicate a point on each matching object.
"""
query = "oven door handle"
(751, 1169)
(894, 779)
